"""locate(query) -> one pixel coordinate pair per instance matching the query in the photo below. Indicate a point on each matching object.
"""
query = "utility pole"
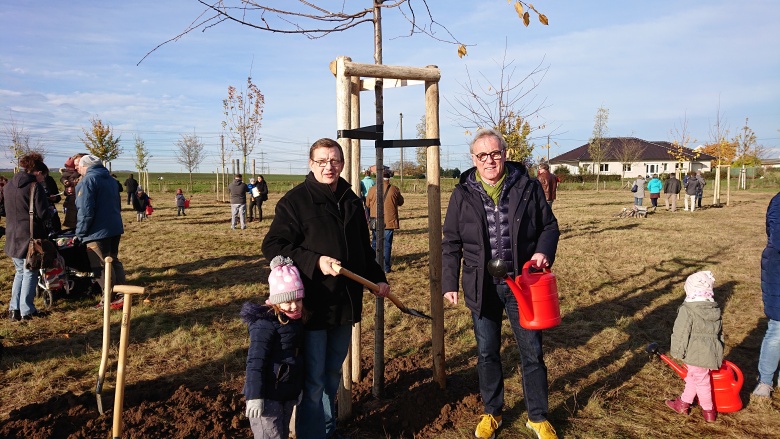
(402, 150)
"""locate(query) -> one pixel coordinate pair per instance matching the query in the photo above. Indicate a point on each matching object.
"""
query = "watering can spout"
(497, 268)
(652, 349)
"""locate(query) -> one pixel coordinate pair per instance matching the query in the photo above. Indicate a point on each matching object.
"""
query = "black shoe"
(14, 315)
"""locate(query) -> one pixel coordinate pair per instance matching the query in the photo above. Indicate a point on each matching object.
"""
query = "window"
(627, 167)
(651, 168)
(604, 167)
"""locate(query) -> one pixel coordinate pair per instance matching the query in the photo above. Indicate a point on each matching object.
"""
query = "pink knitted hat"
(284, 282)
(699, 285)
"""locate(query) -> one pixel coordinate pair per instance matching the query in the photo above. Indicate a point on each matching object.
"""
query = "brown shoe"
(679, 406)
(709, 415)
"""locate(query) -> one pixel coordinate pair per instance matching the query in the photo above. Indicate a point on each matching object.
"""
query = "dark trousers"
(97, 252)
(129, 198)
(487, 330)
(256, 203)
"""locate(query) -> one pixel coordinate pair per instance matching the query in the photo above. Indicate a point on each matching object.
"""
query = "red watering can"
(726, 381)
(536, 294)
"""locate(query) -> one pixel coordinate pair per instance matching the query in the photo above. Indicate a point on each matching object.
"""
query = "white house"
(629, 157)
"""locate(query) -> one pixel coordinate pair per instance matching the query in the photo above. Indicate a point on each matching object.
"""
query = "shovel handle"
(368, 284)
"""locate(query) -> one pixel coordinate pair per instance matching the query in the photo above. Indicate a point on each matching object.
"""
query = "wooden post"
(433, 178)
(355, 180)
(343, 119)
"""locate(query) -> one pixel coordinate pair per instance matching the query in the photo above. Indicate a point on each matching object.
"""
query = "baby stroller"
(71, 272)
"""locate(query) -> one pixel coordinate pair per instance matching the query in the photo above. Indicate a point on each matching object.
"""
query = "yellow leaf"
(526, 19)
(461, 51)
(519, 9)
(543, 19)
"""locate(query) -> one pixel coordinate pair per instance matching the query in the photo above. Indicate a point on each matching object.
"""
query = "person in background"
(131, 186)
(180, 200)
(654, 186)
(99, 221)
(769, 359)
(251, 207)
(365, 184)
(140, 202)
(69, 177)
(238, 190)
(3, 181)
(691, 186)
(700, 190)
(16, 196)
(549, 183)
(318, 223)
(53, 195)
(697, 340)
(261, 191)
(672, 187)
(498, 211)
(640, 190)
(274, 363)
(392, 200)
(118, 184)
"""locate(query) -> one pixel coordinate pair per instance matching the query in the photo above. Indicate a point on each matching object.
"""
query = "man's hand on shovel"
(332, 267)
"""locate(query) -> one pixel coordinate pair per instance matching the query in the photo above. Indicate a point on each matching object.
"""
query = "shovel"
(375, 288)
(107, 288)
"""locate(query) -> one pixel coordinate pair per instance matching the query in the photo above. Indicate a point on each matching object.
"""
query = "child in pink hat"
(697, 340)
(274, 364)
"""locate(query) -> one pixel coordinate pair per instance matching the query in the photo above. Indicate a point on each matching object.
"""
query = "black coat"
(313, 221)
(16, 194)
(534, 229)
(274, 362)
(770, 261)
(131, 185)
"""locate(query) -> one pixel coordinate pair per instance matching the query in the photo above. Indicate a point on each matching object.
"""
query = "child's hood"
(708, 311)
(251, 312)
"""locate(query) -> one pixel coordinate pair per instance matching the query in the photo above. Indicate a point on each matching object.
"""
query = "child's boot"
(679, 406)
(710, 415)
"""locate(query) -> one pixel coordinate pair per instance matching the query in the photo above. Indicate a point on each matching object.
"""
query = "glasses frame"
(333, 163)
(496, 155)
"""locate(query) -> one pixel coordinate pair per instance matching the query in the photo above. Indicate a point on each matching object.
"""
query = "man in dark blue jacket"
(769, 359)
(498, 211)
(99, 223)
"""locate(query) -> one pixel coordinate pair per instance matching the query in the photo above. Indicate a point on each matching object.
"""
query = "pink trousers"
(698, 383)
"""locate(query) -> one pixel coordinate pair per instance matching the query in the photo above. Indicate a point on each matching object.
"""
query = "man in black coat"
(131, 185)
(497, 211)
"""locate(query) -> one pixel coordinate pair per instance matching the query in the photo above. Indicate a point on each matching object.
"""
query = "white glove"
(254, 408)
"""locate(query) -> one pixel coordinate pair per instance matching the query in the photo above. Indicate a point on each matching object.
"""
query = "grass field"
(620, 282)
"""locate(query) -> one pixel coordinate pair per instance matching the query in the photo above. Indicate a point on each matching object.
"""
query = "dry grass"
(620, 282)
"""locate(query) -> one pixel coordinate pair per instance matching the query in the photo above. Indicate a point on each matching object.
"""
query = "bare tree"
(721, 149)
(598, 143)
(244, 117)
(142, 154)
(18, 143)
(189, 152)
(629, 150)
(305, 17)
(100, 141)
(748, 151)
(681, 137)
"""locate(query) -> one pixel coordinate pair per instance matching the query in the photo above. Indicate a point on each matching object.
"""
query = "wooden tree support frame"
(349, 82)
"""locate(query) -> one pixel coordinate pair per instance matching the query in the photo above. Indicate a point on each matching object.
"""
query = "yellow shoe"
(542, 429)
(488, 424)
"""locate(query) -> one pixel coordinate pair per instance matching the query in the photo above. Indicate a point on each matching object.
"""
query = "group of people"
(693, 184)
(258, 193)
(91, 206)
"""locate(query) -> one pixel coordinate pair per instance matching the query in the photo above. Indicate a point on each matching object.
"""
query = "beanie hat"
(252, 180)
(698, 287)
(284, 282)
(89, 160)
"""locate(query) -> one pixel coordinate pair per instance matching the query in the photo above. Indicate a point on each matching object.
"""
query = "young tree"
(18, 143)
(421, 152)
(516, 132)
(189, 153)
(100, 141)
(629, 150)
(681, 137)
(749, 152)
(598, 144)
(244, 117)
(142, 154)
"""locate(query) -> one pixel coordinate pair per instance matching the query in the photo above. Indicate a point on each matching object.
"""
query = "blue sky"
(652, 64)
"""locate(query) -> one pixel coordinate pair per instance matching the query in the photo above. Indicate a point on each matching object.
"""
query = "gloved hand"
(254, 408)
(76, 241)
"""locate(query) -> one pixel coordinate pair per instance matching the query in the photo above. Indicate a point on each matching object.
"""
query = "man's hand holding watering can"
(538, 260)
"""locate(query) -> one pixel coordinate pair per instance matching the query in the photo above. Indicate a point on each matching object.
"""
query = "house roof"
(656, 150)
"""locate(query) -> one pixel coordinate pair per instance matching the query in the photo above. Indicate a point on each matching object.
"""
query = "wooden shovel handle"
(128, 289)
(368, 284)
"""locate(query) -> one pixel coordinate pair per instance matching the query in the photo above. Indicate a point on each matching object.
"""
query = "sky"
(656, 66)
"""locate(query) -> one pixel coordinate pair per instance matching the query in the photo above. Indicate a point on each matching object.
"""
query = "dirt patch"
(412, 406)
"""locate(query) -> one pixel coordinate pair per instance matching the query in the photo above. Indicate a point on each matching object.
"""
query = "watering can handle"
(529, 264)
(737, 371)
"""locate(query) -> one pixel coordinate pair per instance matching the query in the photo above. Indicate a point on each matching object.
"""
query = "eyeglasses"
(333, 163)
(495, 155)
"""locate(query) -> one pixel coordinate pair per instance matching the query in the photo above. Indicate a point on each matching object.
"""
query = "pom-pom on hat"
(284, 282)
(698, 287)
